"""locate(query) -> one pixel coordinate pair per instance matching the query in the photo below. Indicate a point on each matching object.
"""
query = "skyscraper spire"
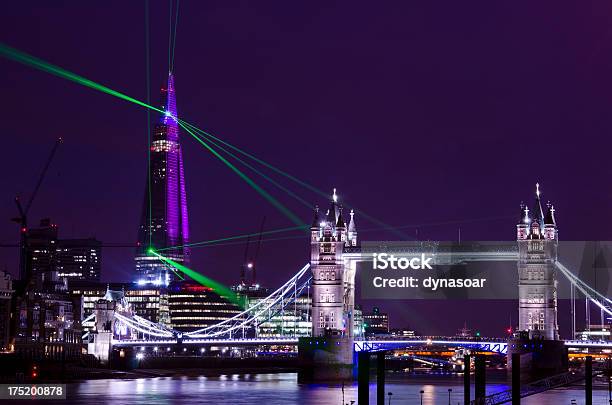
(171, 113)
(164, 222)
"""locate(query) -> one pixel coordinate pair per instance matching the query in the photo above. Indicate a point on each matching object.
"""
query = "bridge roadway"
(496, 345)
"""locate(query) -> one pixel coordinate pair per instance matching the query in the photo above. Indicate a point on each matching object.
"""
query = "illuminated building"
(78, 259)
(71, 258)
(149, 302)
(293, 320)
(402, 333)
(48, 320)
(358, 323)
(164, 222)
(594, 332)
(193, 306)
(376, 322)
(6, 295)
(40, 249)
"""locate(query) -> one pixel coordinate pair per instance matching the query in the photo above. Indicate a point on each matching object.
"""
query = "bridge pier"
(539, 358)
(325, 358)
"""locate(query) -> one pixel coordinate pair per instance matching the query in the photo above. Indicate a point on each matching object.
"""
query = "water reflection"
(277, 389)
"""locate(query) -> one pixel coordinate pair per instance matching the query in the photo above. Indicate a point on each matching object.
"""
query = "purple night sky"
(419, 114)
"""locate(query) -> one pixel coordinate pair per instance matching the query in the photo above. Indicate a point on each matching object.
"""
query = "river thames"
(283, 388)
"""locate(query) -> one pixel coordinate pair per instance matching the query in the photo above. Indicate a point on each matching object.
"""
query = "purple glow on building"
(165, 220)
(171, 115)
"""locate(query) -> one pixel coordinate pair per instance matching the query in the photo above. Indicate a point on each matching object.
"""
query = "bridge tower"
(537, 244)
(537, 335)
(102, 335)
(328, 237)
(329, 353)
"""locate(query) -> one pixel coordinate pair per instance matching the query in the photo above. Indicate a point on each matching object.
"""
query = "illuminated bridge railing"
(150, 329)
(499, 346)
(604, 344)
(496, 345)
(209, 341)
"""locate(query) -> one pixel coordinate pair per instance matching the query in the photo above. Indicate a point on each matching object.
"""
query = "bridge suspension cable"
(275, 169)
(261, 312)
(585, 288)
(153, 330)
(577, 280)
(266, 308)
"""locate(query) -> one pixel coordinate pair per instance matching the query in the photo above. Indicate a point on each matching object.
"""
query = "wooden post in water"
(466, 379)
(588, 380)
(363, 378)
(380, 378)
(516, 378)
(479, 379)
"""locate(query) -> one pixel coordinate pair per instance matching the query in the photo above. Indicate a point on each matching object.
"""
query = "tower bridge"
(330, 276)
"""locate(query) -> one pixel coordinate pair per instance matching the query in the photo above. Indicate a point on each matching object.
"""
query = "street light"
(389, 393)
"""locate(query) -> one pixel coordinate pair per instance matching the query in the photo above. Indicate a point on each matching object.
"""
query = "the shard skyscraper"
(164, 224)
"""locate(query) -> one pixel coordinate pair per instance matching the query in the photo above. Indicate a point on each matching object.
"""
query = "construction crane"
(254, 261)
(22, 219)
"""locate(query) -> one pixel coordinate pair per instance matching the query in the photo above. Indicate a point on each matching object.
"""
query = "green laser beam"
(294, 218)
(263, 175)
(235, 237)
(240, 242)
(175, 272)
(293, 178)
(148, 85)
(235, 240)
(174, 39)
(256, 159)
(217, 287)
(22, 57)
(169, 33)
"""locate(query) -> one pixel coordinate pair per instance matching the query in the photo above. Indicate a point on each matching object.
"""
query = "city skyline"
(245, 104)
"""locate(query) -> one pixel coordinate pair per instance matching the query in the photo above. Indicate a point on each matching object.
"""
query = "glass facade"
(193, 306)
